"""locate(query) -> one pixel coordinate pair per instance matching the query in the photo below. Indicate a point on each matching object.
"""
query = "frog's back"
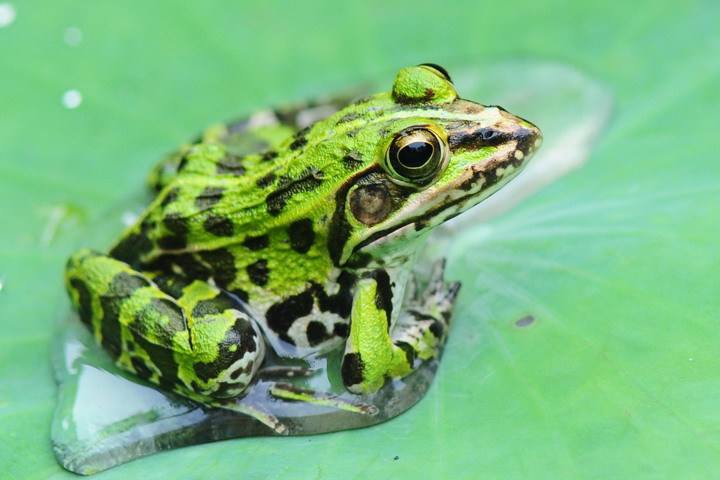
(248, 214)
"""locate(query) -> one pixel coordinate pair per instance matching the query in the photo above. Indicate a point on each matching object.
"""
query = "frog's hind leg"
(200, 342)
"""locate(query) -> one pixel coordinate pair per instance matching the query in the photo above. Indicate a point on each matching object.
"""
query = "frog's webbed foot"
(292, 393)
(423, 324)
(438, 297)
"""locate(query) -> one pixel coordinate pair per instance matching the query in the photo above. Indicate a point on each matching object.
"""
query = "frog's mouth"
(478, 180)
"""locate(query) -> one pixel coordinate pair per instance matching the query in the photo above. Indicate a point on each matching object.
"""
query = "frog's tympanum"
(297, 231)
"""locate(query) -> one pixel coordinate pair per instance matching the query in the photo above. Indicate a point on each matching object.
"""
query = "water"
(105, 417)
(72, 99)
(7, 14)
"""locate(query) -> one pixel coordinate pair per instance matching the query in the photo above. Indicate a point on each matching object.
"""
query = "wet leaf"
(618, 262)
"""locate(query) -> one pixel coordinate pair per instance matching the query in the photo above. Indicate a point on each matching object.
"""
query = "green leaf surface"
(618, 263)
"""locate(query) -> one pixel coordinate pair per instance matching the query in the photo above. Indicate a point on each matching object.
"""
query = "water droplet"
(129, 218)
(73, 36)
(2, 284)
(57, 216)
(72, 99)
(7, 14)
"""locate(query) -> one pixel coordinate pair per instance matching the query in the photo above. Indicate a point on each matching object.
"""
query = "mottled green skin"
(303, 237)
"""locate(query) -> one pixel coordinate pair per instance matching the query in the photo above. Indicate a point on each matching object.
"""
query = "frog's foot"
(422, 326)
(262, 416)
(288, 392)
(438, 298)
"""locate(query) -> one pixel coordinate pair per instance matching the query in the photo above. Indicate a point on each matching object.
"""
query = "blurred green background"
(619, 376)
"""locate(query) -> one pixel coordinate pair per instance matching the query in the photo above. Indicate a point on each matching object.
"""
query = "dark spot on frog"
(258, 272)
(383, 295)
(352, 160)
(141, 370)
(525, 321)
(171, 284)
(352, 369)
(437, 329)
(316, 333)
(310, 179)
(256, 243)
(265, 181)
(301, 235)
(371, 204)
(281, 315)
(341, 302)
(361, 260)
(177, 238)
(122, 286)
(231, 165)
(223, 266)
(170, 197)
(241, 294)
(134, 246)
(163, 358)
(213, 306)
(300, 139)
(269, 155)
(183, 161)
(341, 330)
(396, 457)
(186, 262)
(219, 226)
(348, 117)
(403, 99)
(209, 197)
(408, 350)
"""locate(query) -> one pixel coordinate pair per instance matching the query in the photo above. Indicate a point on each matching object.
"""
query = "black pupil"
(415, 154)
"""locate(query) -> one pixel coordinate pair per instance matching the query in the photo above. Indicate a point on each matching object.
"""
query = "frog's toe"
(291, 393)
(440, 295)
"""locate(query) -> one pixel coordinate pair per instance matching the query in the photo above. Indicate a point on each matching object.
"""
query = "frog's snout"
(528, 138)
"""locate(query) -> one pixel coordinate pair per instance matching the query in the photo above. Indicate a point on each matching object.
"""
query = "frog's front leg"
(183, 335)
(373, 352)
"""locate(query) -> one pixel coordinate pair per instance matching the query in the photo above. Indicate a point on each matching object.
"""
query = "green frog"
(298, 230)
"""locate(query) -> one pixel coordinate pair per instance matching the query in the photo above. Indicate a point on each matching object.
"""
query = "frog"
(298, 231)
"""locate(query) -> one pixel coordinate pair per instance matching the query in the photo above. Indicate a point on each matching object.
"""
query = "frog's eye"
(416, 155)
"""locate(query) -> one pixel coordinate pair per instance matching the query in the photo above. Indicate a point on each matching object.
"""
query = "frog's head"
(427, 156)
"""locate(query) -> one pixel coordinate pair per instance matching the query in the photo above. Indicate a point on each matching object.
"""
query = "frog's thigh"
(370, 355)
(198, 343)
